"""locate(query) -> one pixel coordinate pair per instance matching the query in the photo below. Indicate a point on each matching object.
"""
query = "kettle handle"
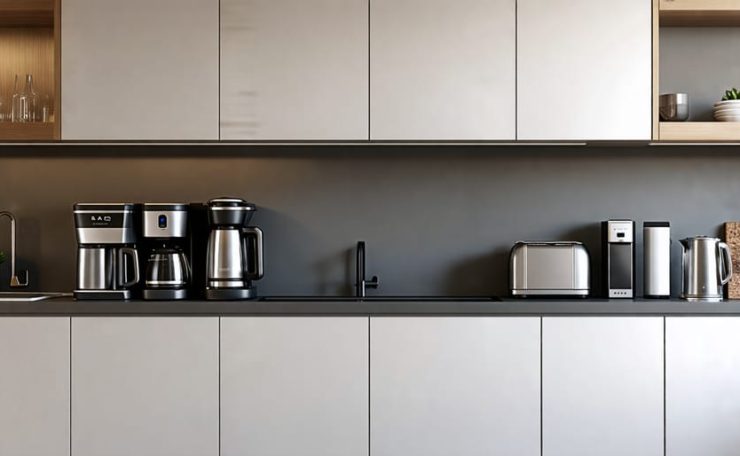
(726, 263)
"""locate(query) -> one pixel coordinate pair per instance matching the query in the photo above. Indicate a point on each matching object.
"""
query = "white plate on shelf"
(727, 103)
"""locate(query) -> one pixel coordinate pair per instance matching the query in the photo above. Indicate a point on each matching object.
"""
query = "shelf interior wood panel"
(27, 50)
(26, 13)
(699, 13)
(700, 131)
(35, 131)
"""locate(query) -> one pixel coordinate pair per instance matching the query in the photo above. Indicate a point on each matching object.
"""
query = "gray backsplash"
(437, 220)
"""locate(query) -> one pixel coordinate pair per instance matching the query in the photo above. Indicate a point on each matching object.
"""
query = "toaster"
(549, 269)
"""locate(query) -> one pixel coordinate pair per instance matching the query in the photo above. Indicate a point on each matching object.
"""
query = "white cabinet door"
(140, 69)
(34, 386)
(442, 69)
(702, 386)
(442, 386)
(294, 386)
(145, 386)
(584, 69)
(602, 386)
(294, 69)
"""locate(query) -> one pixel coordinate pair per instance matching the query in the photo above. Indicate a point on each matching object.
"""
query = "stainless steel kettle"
(707, 267)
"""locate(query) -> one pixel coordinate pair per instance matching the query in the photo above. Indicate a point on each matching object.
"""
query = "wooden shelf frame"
(700, 131)
(27, 13)
(699, 13)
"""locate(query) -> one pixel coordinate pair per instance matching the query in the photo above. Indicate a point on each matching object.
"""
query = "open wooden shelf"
(700, 131)
(30, 43)
(699, 13)
(26, 13)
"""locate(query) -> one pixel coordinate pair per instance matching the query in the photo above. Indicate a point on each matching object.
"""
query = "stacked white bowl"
(727, 111)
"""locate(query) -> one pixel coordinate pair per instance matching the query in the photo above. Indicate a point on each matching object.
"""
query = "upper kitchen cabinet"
(140, 69)
(442, 69)
(584, 69)
(294, 69)
(34, 386)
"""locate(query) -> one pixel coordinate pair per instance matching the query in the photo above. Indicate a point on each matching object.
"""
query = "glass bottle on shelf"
(28, 101)
(14, 102)
(4, 109)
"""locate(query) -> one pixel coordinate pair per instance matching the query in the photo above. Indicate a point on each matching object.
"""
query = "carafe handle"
(256, 267)
(123, 252)
(726, 263)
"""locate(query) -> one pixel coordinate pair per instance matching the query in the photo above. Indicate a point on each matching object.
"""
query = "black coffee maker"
(173, 234)
(234, 256)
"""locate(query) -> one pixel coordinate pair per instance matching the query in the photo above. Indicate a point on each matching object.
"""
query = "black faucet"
(361, 283)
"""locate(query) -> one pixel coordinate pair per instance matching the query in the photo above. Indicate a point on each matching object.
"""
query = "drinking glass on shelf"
(43, 112)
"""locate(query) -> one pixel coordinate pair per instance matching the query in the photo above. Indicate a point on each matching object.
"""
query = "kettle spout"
(684, 243)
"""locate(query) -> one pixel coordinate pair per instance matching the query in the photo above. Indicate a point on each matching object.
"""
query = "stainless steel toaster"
(549, 269)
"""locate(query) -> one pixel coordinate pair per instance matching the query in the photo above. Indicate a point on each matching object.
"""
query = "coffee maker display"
(234, 255)
(165, 234)
(107, 258)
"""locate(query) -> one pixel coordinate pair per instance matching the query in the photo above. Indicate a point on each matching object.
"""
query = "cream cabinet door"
(34, 386)
(294, 69)
(702, 385)
(442, 69)
(140, 69)
(602, 386)
(442, 386)
(294, 386)
(584, 69)
(145, 386)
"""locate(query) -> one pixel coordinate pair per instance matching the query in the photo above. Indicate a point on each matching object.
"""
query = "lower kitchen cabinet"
(455, 386)
(34, 386)
(702, 386)
(294, 386)
(602, 386)
(145, 386)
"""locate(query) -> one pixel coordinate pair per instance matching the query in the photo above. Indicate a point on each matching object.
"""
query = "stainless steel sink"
(379, 299)
(29, 296)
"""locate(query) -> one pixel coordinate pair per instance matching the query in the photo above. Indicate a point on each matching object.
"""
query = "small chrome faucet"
(362, 284)
(15, 281)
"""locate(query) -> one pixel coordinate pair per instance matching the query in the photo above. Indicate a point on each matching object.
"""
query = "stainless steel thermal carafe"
(656, 238)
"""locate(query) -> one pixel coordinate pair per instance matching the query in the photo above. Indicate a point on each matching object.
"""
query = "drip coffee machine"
(165, 232)
(107, 259)
(234, 250)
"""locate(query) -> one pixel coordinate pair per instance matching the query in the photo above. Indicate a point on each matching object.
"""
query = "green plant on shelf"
(731, 94)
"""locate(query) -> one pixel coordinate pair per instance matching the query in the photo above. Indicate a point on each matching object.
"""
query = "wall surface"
(437, 221)
(699, 61)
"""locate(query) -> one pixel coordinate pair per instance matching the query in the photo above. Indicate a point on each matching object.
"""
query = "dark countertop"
(336, 306)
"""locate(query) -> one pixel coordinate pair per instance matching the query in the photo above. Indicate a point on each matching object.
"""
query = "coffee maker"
(107, 258)
(165, 236)
(234, 257)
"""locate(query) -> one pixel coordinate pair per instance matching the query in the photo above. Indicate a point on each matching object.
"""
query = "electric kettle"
(707, 267)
